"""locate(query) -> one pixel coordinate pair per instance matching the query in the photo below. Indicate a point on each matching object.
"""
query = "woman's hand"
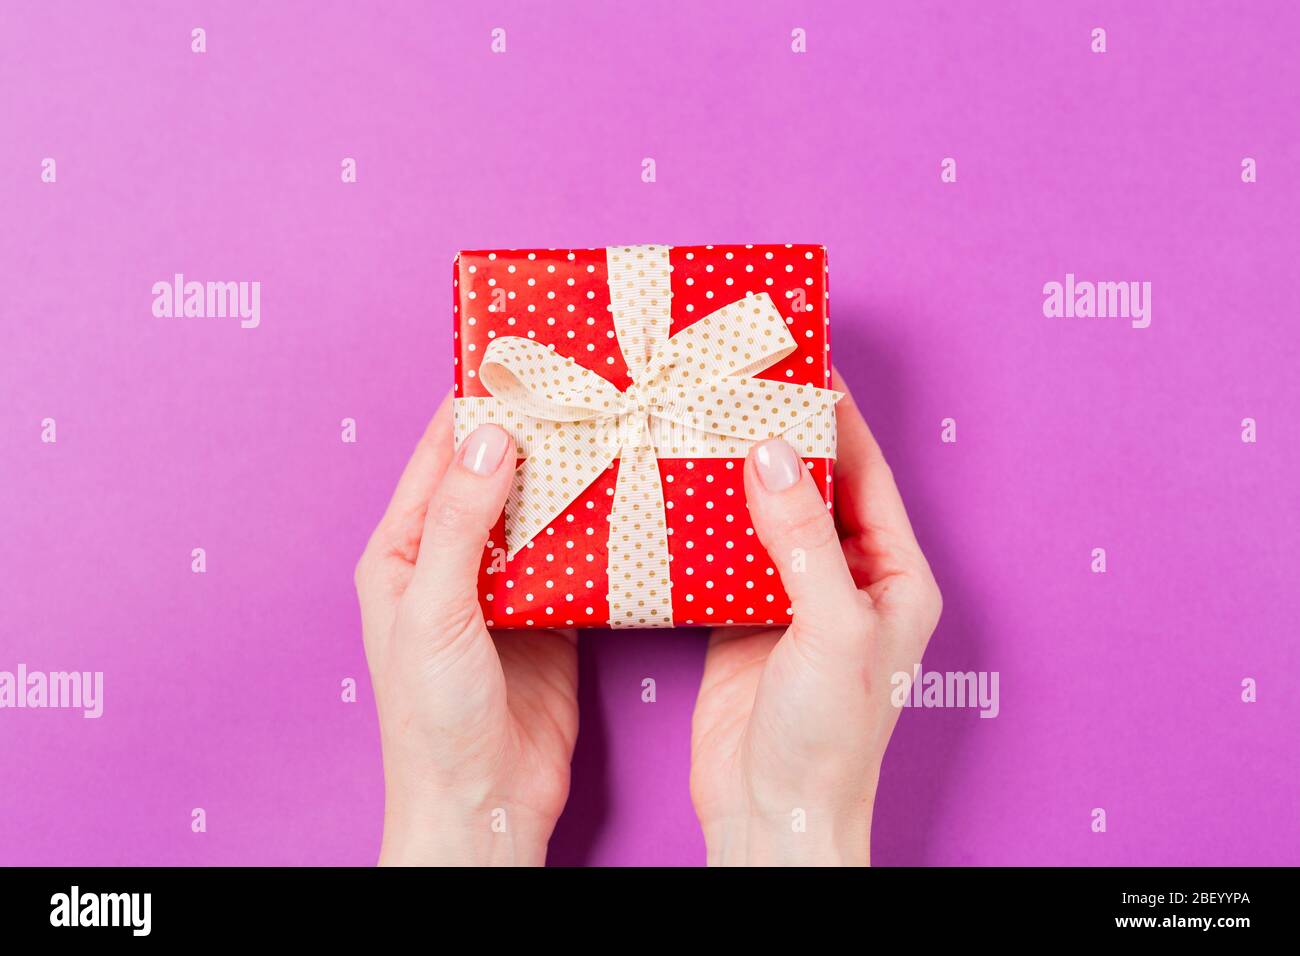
(791, 723)
(477, 729)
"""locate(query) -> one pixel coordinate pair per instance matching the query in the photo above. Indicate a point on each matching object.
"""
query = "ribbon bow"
(692, 396)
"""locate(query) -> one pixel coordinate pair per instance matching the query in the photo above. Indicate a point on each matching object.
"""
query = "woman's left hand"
(477, 728)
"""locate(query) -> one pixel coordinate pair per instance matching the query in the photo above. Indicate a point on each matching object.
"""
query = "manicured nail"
(484, 449)
(778, 466)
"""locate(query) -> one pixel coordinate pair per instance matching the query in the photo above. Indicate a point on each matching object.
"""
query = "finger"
(867, 501)
(794, 525)
(386, 563)
(405, 512)
(883, 553)
(461, 514)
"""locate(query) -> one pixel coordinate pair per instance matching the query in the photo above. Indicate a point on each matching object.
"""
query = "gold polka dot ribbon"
(693, 395)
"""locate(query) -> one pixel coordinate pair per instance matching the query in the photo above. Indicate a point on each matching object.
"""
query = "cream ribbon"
(692, 396)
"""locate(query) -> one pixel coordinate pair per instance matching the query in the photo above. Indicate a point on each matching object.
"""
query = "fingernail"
(484, 449)
(778, 466)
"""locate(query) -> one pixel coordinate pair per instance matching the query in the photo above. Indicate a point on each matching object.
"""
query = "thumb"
(794, 525)
(465, 507)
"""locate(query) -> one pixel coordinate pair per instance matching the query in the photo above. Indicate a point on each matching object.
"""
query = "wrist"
(799, 837)
(445, 833)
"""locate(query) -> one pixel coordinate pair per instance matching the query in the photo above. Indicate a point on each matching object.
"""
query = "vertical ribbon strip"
(640, 590)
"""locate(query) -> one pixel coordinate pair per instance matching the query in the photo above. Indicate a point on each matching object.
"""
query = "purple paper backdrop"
(1119, 691)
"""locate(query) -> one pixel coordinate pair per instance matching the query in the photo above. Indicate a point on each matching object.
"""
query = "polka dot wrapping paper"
(560, 299)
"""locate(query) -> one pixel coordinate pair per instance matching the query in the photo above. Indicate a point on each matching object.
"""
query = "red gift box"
(561, 299)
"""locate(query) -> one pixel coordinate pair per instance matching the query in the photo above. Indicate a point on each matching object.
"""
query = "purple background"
(1119, 691)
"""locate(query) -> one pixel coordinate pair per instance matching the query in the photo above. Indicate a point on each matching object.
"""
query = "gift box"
(634, 380)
